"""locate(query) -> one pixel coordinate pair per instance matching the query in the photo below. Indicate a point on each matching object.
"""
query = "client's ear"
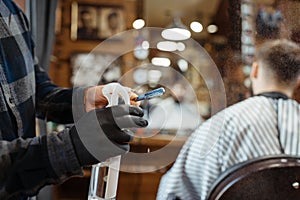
(254, 71)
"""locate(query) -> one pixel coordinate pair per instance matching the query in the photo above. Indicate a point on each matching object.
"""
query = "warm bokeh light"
(138, 24)
(196, 26)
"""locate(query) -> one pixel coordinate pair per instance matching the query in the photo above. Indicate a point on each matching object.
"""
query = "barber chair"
(267, 178)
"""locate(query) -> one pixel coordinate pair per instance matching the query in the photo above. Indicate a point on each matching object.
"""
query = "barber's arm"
(54, 103)
(28, 165)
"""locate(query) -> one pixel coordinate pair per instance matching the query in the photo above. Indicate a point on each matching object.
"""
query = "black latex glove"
(101, 133)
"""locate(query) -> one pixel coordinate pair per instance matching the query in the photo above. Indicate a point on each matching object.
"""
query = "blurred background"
(214, 34)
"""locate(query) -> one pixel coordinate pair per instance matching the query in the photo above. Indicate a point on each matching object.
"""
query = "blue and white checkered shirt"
(241, 132)
(28, 162)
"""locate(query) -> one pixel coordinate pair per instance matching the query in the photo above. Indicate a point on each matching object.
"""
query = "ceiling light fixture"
(176, 31)
(180, 46)
(138, 24)
(161, 61)
(183, 65)
(212, 28)
(167, 46)
(170, 46)
(196, 26)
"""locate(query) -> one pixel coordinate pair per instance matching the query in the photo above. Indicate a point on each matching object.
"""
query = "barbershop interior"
(197, 54)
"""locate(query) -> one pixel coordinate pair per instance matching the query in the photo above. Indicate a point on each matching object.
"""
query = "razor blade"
(151, 94)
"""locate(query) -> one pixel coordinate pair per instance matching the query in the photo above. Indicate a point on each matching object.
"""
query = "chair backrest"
(273, 177)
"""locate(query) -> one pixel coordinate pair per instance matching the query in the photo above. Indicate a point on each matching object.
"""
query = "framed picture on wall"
(93, 22)
(90, 69)
(111, 21)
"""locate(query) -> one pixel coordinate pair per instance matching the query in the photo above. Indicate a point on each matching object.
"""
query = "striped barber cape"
(255, 127)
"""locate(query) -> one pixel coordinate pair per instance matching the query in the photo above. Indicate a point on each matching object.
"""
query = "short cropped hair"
(282, 58)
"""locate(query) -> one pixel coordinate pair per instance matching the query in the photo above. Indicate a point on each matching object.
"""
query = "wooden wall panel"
(60, 69)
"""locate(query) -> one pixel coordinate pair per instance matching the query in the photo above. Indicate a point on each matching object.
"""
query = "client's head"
(276, 67)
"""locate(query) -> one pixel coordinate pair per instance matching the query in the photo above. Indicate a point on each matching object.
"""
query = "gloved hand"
(101, 133)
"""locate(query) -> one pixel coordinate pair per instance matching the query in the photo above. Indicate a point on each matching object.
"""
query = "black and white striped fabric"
(243, 131)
